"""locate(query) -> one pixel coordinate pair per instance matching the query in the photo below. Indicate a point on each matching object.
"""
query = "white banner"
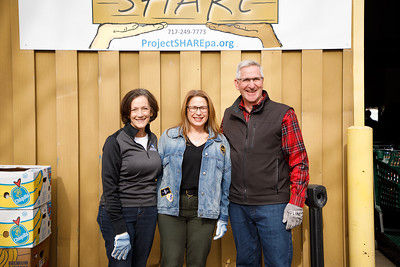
(174, 25)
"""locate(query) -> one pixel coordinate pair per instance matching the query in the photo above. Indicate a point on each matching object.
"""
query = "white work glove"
(292, 216)
(122, 246)
(221, 229)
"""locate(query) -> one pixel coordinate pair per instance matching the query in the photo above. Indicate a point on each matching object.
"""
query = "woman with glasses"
(192, 195)
(130, 167)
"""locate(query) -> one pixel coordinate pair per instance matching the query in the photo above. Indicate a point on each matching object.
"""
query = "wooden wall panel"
(67, 158)
(170, 104)
(150, 78)
(211, 79)
(190, 72)
(347, 122)
(129, 72)
(312, 89)
(46, 120)
(109, 95)
(6, 92)
(89, 160)
(332, 159)
(229, 61)
(271, 62)
(311, 127)
(290, 94)
(23, 83)
(252, 55)
(109, 118)
(291, 80)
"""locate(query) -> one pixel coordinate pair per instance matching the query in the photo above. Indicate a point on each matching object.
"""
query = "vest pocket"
(253, 135)
(277, 175)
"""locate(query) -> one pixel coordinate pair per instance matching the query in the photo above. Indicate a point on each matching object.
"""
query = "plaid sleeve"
(296, 156)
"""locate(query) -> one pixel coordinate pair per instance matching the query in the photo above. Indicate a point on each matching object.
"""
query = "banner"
(185, 12)
(174, 25)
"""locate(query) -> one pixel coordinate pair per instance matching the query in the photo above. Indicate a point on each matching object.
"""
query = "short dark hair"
(127, 101)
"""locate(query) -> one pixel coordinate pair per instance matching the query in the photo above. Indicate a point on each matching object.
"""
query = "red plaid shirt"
(294, 151)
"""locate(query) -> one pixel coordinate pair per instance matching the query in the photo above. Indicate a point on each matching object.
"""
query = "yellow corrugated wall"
(58, 107)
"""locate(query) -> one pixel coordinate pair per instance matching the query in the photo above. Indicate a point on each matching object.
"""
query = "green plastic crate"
(387, 186)
(394, 158)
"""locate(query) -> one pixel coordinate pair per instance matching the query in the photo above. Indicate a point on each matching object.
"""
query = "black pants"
(141, 225)
(185, 232)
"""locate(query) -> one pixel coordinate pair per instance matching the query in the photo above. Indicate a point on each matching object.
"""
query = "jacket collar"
(239, 113)
(132, 131)
(177, 132)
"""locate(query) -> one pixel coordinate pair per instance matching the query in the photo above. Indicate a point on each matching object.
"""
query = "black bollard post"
(316, 200)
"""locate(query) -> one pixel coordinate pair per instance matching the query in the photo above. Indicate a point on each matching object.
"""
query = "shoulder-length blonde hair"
(211, 123)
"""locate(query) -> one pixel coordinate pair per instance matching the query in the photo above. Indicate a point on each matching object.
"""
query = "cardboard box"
(25, 228)
(24, 186)
(37, 256)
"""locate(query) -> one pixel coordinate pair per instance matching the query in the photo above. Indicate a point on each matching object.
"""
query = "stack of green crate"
(387, 201)
(387, 179)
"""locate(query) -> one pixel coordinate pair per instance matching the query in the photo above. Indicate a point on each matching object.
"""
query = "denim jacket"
(214, 180)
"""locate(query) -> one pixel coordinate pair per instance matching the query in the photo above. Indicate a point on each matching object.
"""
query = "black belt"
(189, 192)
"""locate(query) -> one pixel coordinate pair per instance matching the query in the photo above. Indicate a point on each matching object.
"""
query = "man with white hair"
(269, 172)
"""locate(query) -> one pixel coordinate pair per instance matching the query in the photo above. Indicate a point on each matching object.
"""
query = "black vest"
(260, 173)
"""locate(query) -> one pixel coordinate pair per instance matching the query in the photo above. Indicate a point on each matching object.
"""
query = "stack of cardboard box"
(25, 215)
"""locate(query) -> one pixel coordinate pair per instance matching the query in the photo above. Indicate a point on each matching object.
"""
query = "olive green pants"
(185, 232)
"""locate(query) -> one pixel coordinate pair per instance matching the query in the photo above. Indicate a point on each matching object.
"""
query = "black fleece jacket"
(129, 174)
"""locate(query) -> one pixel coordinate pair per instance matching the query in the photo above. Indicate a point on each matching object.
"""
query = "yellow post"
(358, 61)
(359, 159)
(360, 196)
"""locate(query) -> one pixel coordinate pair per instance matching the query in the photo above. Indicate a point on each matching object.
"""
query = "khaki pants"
(185, 232)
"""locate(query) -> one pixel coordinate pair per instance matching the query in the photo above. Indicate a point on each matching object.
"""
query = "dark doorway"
(382, 70)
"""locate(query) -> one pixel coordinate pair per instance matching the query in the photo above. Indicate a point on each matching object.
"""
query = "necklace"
(198, 139)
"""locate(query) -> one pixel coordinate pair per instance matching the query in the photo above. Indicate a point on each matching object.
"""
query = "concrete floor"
(382, 261)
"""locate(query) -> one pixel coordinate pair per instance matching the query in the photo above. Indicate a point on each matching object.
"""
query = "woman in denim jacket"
(192, 194)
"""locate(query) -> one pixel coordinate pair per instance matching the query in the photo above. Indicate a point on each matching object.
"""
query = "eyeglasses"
(248, 80)
(193, 109)
(144, 110)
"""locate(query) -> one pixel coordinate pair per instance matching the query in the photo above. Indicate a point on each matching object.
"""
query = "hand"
(108, 32)
(221, 229)
(292, 216)
(262, 31)
(122, 246)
